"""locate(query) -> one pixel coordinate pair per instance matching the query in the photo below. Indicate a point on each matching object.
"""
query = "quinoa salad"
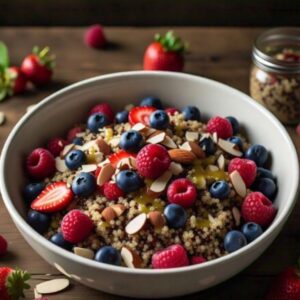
(150, 187)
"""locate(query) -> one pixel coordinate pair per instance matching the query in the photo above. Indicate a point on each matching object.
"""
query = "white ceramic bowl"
(58, 112)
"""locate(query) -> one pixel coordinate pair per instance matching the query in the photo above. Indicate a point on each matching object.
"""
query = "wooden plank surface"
(222, 54)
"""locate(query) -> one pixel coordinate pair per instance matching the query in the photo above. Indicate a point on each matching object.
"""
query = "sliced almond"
(136, 224)
(138, 127)
(87, 145)
(215, 137)
(229, 148)
(197, 150)
(175, 168)
(212, 168)
(105, 174)
(236, 215)
(66, 150)
(132, 162)
(221, 162)
(115, 141)
(60, 165)
(156, 138)
(159, 184)
(89, 168)
(103, 146)
(169, 143)
(118, 209)
(103, 163)
(84, 252)
(2, 118)
(52, 286)
(186, 146)
(130, 258)
(122, 163)
(182, 156)
(191, 136)
(156, 219)
(80, 134)
(238, 183)
(147, 131)
(108, 214)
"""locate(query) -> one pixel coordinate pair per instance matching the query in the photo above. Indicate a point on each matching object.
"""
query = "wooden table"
(222, 54)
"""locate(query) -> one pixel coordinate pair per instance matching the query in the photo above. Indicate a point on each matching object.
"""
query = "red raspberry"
(76, 226)
(72, 133)
(171, 111)
(56, 145)
(3, 246)
(94, 36)
(259, 209)
(40, 163)
(195, 260)
(105, 109)
(182, 192)
(246, 168)
(111, 191)
(172, 257)
(221, 126)
(152, 161)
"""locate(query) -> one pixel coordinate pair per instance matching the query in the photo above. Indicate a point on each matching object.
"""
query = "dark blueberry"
(208, 146)
(129, 181)
(234, 240)
(74, 159)
(175, 215)
(191, 113)
(32, 190)
(97, 121)
(266, 186)
(108, 255)
(39, 221)
(84, 184)
(152, 101)
(265, 173)
(219, 189)
(59, 240)
(78, 141)
(159, 119)
(257, 153)
(131, 141)
(237, 141)
(251, 231)
(234, 124)
(122, 116)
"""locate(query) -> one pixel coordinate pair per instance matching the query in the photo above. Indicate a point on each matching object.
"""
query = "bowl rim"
(28, 230)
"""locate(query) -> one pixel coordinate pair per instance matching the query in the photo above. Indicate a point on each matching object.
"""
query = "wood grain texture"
(222, 54)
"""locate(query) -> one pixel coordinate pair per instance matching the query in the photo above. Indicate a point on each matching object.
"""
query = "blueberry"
(152, 101)
(78, 141)
(237, 141)
(219, 189)
(39, 221)
(251, 231)
(208, 146)
(84, 184)
(175, 215)
(122, 116)
(32, 190)
(159, 119)
(191, 113)
(265, 173)
(258, 154)
(108, 255)
(128, 181)
(131, 141)
(234, 240)
(74, 159)
(59, 240)
(97, 121)
(234, 124)
(266, 186)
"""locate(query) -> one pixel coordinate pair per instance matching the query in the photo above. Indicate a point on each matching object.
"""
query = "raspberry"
(3, 246)
(56, 145)
(172, 257)
(195, 260)
(221, 126)
(40, 163)
(94, 36)
(171, 111)
(72, 133)
(259, 209)
(246, 168)
(182, 192)
(76, 226)
(152, 161)
(105, 109)
(111, 191)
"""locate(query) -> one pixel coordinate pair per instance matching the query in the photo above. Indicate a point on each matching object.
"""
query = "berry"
(56, 145)
(237, 141)
(105, 109)
(40, 163)
(171, 111)
(32, 190)
(182, 192)
(234, 240)
(131, 141)
(72, 133)
(174, 256)
(219, 189)
(195, 260)
(39, 221)
(128, 181)
(251, 231)
(258, 209)
(3, 246)
(159, 119)
(108, 255)
(152, 161)
(17, 79)
(258, 154)
(111, 191)
(140, 114)
(265, 173)
(191, 113)
(94, 37)
(115, 158)
(175, 215)
(84, 184)
(151, 101)
(76, 226)
(59, 241)
(208, 145)
(221, 126)
(53, 198)
(77, 141)
(234, 124)
(122, 116)
(298, 129)
(246, 168)
(97, 121)
(266, 186)
(74, 159)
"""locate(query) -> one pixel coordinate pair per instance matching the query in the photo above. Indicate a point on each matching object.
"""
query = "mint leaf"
(4, 58)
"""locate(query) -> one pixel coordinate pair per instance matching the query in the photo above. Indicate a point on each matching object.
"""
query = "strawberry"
(18, 80)
(54, 197)
(165, 54)
(116, 157)
(140, 114)
(94, 37)
(3, 246)
(13, 283)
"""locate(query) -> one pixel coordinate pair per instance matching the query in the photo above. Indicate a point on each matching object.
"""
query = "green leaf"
(4, 58)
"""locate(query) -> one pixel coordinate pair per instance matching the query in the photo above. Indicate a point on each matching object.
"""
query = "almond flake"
(66, 150)
(123, 163)
(147, 131)
(169, 143)
(2, 118)
(212, 168)
(156, 138)
(89, 168)
(103, 163)
(229, 148)
(52, 286)
(138, 127)
(108, 214)
(221, 162)
(238, 183)
(130, 258)
(80, 134)
(84, 252)
(105, 174)
(215, 137)
(237, 216)
(159, 184)
(175, 168)
(196, 149)
(132, 162)
(136, 224)
(118, 208)
(60, 165)
(103, 146)
(186, 146)
(115, 141)
(182, 156)
(191, 136)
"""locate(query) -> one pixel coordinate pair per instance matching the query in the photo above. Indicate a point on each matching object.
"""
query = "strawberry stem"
(16, 284)
(171, 42)
(44, 56)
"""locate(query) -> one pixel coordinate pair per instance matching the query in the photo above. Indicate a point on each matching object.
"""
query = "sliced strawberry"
(54, 197)
(116, 157)
(140, 114)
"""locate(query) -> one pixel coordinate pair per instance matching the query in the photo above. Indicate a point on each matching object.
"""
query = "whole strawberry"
(18, 80)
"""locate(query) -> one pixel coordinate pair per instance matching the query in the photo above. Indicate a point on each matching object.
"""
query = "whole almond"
(156, 219)
(182, 156)
(118, 209)
(197, 150)
(108, 214)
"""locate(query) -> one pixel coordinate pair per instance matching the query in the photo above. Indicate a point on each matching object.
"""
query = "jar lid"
(272, 42)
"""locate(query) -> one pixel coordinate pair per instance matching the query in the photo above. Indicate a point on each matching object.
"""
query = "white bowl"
(58, 112)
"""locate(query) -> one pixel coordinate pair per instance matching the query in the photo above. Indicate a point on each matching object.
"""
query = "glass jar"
(275, 73)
